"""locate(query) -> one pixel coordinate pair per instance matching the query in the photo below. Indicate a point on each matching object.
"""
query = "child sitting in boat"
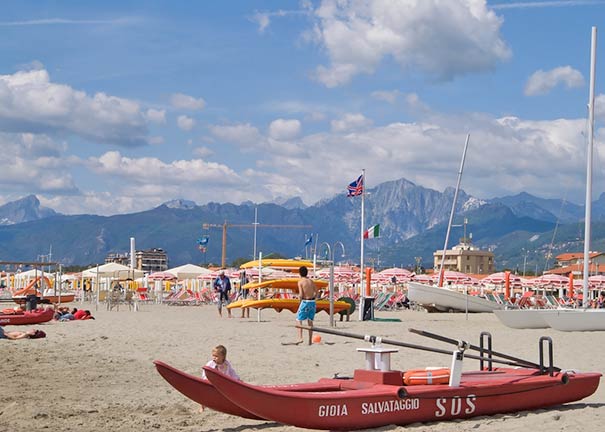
(219, 361)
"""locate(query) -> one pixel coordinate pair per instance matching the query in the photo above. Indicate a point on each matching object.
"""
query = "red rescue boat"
(29, 317)
(376, 398)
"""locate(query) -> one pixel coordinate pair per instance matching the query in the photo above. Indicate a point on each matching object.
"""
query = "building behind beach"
(149, 261)
(465, 258)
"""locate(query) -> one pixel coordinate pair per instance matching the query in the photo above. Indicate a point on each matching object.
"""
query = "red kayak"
(29, 317)
(376, 398)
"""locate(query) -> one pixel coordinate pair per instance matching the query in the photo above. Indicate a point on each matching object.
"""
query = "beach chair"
(381, 300)
(114, 299)
(552, 301)
(177, 297)
(491, 297)
(398, 301)
(129, 299)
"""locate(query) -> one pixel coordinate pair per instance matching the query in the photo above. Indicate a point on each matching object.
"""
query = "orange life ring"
(10, 311)
(426, 376)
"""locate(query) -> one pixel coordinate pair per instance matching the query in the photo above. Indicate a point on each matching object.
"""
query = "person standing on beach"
(222, 285)
(307, 292)
(243, 293)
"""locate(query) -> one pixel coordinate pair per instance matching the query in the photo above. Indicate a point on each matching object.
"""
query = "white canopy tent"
(112, 270)
(188, 271)
(30, 274)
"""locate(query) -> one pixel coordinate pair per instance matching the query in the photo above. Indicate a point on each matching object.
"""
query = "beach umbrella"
(342, 274)
(161, 276)
(453, 277)
(400, 274)
(551, 279)
(596, 281)
(423, 278)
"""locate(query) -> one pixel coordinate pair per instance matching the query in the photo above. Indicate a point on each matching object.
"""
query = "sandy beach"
(99, 376)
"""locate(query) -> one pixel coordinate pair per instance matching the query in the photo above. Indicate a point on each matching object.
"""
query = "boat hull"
(362, 404)
(284, 284)
(203, 392)
(522, 318)
(445, 299)
(47, 299)
(288, 304)
(25, 318)
(576, 319)
(200, 390)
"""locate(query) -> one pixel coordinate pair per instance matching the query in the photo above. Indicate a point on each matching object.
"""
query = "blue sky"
(117, 106)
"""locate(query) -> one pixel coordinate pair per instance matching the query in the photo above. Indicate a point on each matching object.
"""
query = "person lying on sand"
(14, 335)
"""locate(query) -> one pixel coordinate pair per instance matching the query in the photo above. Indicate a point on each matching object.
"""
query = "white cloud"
(156, 116)
(545, 4)
(283, 129)
(542, 82)
(203, 152)
(185, 123)
(263, 19)
(149, 170)
(350, 122)
(34, 164)
(156, 140)
(183, 101)
(442, 39)
(30, 103)
(244, 135)
(387, 96)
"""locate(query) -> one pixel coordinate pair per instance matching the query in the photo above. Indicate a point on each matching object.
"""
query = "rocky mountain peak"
(25, 209)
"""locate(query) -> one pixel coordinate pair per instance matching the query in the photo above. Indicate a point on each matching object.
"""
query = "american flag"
(355, 188)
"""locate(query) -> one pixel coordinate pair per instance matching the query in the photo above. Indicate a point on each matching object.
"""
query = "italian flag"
(372, 232)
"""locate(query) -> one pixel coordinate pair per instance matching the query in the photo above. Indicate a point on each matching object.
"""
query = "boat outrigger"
(377, 396)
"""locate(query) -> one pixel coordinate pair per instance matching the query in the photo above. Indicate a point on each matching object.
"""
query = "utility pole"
(255, 225)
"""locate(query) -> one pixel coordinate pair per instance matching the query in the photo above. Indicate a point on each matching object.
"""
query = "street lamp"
(331, 251)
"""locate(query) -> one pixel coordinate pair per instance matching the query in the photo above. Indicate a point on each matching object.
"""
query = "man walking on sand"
(307, 292)
(222, 285)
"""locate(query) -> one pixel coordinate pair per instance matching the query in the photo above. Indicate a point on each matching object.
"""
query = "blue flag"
(309, 240)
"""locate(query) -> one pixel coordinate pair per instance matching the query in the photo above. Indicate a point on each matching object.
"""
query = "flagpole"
(361, 290)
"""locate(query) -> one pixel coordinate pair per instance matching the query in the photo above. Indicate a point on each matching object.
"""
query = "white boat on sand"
(445, 299)
(522, 318)
(575, 319)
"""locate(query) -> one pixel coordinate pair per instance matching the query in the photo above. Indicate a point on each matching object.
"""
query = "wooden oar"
(446, 339)
(377, 339)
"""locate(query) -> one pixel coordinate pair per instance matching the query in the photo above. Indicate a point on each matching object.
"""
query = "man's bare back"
(306, 289)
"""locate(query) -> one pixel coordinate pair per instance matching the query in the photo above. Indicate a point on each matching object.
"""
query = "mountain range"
(524, 232)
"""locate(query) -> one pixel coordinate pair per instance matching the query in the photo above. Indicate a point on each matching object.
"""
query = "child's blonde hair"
(221, 350)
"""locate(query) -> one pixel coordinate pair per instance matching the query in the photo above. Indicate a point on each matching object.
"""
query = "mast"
(449, 224)
(361, 279)
(588, 205)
